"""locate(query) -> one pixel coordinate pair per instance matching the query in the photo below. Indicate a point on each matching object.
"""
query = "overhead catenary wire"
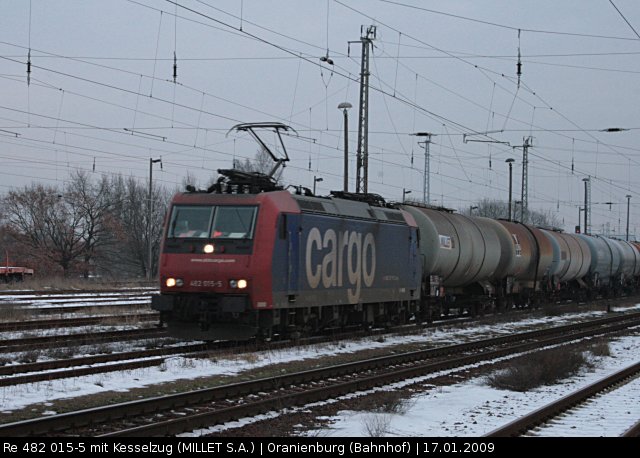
(395, 132)
(504, 26)
(625, 19)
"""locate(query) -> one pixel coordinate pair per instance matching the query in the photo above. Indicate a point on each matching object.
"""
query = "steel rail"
(56, 424)
(96, 364)
(72, 322)
(523, 424)
(634, 431)
(27, 343)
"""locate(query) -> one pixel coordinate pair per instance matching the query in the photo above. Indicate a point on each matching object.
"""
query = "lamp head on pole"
(344, 106)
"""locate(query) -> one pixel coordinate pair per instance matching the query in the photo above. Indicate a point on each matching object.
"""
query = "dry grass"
(391, 402)
(62, 352)
(600, 349)
(540, 368)
(376, 425)
(11, 312)
(121, 320)
(29, 357)
(382, 406)
(100, 349)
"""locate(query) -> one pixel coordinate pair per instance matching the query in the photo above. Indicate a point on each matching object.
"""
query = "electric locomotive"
(247, 258)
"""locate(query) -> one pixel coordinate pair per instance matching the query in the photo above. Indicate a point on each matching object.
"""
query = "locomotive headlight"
(171, 282)
(208, 248)
(239, 284)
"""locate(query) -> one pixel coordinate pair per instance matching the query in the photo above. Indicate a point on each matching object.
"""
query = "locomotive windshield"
(230, 222)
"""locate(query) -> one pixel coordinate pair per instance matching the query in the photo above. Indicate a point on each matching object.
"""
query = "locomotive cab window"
(229, 222)
(234, 222)
(190, 222)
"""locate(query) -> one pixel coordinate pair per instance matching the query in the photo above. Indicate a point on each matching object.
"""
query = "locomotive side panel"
(330, 259)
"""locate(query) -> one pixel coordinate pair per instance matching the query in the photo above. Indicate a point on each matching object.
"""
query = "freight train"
(248, 259)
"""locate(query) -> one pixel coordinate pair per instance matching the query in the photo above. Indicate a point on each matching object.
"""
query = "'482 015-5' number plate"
(207, 283)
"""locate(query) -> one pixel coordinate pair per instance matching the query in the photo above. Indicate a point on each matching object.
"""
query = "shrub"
(537, 369)
(376, 425)
(600, 349)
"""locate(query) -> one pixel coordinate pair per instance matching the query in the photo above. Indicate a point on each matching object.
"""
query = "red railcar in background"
(10, 274)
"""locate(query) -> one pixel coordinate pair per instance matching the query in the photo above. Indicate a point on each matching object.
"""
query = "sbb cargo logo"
(347, 257)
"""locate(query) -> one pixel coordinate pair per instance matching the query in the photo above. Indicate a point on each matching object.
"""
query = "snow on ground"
(609, 414)
(484, 403)
(69, 297)
(44, 304)
(8, 336)
(473, 408)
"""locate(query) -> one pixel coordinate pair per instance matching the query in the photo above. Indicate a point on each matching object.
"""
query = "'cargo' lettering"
(360, 259)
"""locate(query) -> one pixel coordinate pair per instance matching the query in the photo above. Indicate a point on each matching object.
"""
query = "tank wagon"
(247, 258)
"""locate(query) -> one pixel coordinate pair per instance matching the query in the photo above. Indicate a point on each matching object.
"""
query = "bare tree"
(189, 179)
(489, 208)
(130, 211)
(89, 227)
(262, 163)
(92, 203)
(499, 209)
(43, 220)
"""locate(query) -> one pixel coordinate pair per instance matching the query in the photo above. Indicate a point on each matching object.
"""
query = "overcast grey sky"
(102, 92)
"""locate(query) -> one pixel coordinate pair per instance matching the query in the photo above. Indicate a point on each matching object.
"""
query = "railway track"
(634, 431)
(169, 415)
(77, 293)
(56, 304)
(89, 365)
(562, 414)
(65, 340)
(74, 322)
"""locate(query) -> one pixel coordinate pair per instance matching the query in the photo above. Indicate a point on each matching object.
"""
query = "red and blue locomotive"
(247, 258)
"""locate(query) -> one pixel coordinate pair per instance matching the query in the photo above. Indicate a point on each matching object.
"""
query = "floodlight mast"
(362, 158)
